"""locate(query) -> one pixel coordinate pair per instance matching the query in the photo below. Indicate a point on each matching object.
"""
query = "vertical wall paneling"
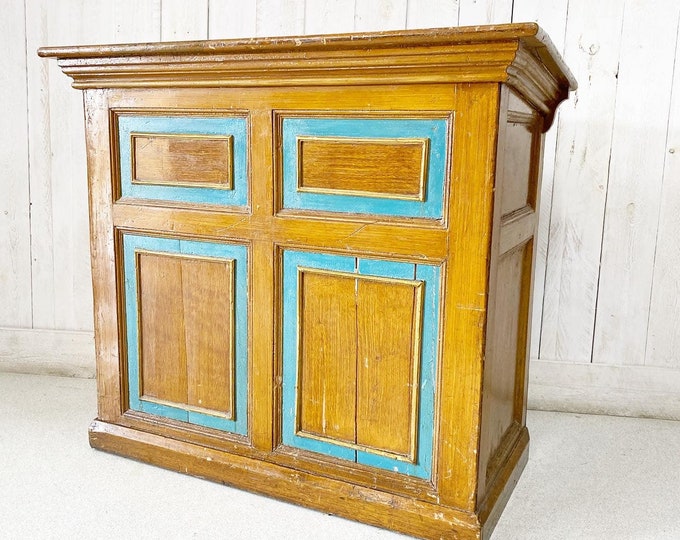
(280, 17)
(228, 19)
(380, 15)
(329, 16)
(474, 12)
(62, 297)
(580, 183)
(15, 247)
(40, 151)
(634, 193)
(606, 287)
(552, 16)
(431, 13)
(182, 21)
(663, 335)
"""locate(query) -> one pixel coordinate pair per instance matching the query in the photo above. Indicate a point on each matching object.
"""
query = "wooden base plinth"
(386, 510)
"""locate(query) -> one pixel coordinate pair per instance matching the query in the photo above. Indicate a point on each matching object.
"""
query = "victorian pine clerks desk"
(312, 263)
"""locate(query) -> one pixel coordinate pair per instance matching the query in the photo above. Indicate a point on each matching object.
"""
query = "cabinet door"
(186, 328)
(359, 359)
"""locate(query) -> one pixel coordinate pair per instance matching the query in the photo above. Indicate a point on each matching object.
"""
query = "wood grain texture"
(432, 13)
(519, 186)
(465, 305)
(504, 380)
(186, 331)
(505, 357)
(179, 160)
(663, 333)
(60, 271)
(229, 19)
(472, 12)
(387, 365)
(390, 13)
(184, 20)
(582, 171)
(634, 198)
(327, 365)
(208, 304)
(553, 17)
(162, 336)
(15, 227)
(392, 168)
(279, 17)
(107, 279)
(329, 16)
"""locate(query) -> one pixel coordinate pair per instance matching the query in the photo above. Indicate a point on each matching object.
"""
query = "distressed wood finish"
(328, 356)
(387, 168)
(383, 359)
(177, 160)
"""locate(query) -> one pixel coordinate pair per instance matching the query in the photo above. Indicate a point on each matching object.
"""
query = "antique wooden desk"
(312, 263)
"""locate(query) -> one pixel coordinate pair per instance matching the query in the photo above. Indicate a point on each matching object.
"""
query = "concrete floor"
(588, 477)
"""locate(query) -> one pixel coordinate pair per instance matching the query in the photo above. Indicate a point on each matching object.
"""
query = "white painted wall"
(607, 311)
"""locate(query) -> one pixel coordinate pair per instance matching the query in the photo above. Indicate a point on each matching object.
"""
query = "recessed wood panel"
(185, 158)
(388, 324)
(386, 165)
(506, 354)
(519, 168)
(182, 160)
(163, 363)
(327, 385)
(208, 296)
(186, 332)
(392, 168)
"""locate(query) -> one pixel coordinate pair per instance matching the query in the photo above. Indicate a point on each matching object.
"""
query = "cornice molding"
(519, 54)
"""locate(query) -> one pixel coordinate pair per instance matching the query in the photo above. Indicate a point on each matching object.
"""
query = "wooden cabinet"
(312, 263)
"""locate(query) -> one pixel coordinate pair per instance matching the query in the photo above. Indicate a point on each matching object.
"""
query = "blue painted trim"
(430, 276)
(237, 253)
(235, 126)
(433, 129)
(380, 268)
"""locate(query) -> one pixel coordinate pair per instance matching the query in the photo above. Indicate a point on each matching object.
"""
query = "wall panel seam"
(606, 197)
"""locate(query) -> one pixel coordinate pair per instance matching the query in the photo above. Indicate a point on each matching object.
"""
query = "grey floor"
(588, 477)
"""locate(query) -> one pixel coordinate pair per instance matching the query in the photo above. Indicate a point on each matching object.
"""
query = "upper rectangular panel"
(385, 166)
(392, 168)
(183, 158)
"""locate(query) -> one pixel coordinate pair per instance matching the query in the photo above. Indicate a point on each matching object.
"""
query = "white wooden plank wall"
(607, 304)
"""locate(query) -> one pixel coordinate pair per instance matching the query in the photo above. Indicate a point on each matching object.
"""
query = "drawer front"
(359, 359)
(190, 158)
(186, 320)
(386, 166)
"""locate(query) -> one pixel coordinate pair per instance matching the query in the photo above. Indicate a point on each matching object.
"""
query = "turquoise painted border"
(237, 253)
(433, 129)
(430, 276)
(236, 126)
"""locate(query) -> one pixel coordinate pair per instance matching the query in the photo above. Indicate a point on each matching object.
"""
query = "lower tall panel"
(186, 330)
(359, 359)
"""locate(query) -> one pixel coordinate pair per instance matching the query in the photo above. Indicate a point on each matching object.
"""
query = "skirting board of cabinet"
(64, 353)
(404, 514)
(639, 391)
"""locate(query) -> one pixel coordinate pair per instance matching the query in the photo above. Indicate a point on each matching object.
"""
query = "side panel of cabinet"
(506, 355)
